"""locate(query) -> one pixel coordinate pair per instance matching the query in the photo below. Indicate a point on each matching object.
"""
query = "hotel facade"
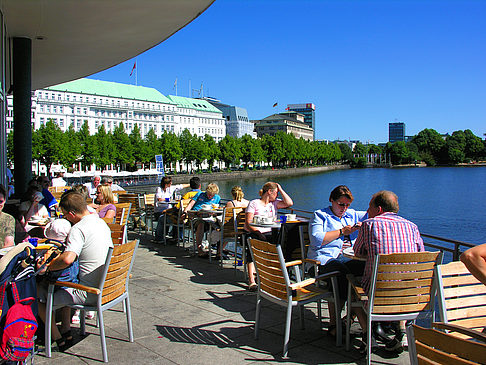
(108, 104)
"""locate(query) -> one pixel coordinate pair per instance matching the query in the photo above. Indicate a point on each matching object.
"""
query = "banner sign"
(159, 165)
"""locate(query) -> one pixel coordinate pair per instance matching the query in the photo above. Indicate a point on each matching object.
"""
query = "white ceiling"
(82, 37)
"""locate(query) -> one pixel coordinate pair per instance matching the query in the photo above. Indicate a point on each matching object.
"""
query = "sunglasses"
(343, 205)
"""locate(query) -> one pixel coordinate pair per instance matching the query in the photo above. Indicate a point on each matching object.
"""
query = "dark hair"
(3, 191)
(72, 201)
(166, 180)
(195, 182)
(81, 189)
(387, 200)
(339, 191)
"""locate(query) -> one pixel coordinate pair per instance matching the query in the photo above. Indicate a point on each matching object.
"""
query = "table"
(349, 253)
(209, 216)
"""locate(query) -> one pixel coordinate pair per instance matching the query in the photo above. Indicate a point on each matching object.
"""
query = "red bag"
(19, 329)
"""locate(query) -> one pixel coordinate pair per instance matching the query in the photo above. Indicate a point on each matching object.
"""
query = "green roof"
(111, 89)
(191, 103)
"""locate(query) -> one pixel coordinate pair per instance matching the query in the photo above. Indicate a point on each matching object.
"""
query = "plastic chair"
(112, 290)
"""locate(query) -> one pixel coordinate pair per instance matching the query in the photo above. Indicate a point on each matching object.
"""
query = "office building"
(104, 103)
(309, 112)
(287, 122)
(396, 132)
(237, 121)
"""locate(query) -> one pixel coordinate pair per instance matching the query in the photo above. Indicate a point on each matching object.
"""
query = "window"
(61, 122)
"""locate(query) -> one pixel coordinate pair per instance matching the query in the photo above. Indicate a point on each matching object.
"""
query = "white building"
(237, 122)
(110, 103)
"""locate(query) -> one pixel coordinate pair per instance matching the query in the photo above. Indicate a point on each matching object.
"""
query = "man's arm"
(62, 261)
(475, 261)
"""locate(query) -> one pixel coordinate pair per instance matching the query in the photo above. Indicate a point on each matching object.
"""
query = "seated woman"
(210, 196)
(333, 229)
(30, 209)
(238, 198)
(106, 208)
(266, 206)
(163, 194)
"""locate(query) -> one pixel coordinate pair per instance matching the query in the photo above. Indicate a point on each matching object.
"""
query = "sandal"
(61, 344)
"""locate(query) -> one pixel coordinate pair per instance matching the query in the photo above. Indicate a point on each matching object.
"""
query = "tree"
(48, 144)
(273, 149)
(123, 148)
(429, 143)
(89, 150)
(139, 146)
(186, 140)
(72, 150)
(230, 150)
(106, 150)
(213, 152)
(153, 146)
(10, 147)
(399, 153)
(347, 154)
(474, 146)
(360, 150)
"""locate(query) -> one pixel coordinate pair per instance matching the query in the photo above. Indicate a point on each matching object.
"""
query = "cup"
(291, 217)
(267, 220)
(167, 199)
(283, 219)
(239, 263)
(215, 206)
(257, 219)
(33, 241)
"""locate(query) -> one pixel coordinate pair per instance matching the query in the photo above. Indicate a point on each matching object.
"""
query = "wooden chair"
(430, 346)
(148, 208)
(136, 212)
(109, 220)
(122, 213)
(401, 287)
(118, 233)
(240, 237)
(461, 297)
(228, 229)
(274, 285)
(112, 290)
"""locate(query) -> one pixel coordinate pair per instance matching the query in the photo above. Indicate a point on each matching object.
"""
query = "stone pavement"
(188, 311)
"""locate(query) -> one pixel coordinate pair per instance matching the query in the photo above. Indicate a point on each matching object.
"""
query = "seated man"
(210, 196)
(109, 180)
(49, 201)
(475, 261)
(88, 241)
(384, 232)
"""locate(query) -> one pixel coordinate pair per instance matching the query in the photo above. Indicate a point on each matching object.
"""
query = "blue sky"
(362, 63)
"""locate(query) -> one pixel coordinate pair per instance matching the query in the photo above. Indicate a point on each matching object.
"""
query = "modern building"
(237, 121)
(309, 111)
(104, 103)
(396, 132)
(287, 122)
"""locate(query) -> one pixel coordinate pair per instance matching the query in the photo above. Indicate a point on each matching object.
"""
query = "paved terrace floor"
(188, 311)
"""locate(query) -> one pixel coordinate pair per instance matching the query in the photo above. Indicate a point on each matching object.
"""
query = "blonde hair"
(212, 189)
(106, 193)
(268, 186)
(237, 193)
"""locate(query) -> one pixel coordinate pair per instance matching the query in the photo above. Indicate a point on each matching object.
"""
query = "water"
(444, 201)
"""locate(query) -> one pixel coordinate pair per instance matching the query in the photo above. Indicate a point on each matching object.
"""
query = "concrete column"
(22, 85)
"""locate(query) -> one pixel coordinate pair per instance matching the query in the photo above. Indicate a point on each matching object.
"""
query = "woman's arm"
(189, 206)
(110, 213)
(286, 199)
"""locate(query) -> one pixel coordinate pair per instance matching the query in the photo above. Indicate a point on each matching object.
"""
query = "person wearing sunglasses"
(333, 229)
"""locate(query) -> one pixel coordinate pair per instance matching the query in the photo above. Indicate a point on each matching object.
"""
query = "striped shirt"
(384, 234)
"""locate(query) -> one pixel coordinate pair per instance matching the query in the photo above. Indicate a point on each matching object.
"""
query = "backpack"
(20, 326)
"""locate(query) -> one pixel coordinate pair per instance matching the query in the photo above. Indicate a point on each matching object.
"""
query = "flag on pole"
(133, 68)
(274, 105)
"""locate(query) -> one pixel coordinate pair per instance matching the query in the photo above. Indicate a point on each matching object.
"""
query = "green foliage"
(10, 147)
(230, 150)
(48, 144)
(347, 153)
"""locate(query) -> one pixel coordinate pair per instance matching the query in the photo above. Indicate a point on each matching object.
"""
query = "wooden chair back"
(228, 229)
(134, 199)
(118, 233)
(403, 282)
(436, 347)
(240, 221)
(462, 298)
(109, 220)
(120, 265)
(122, 212)
(149, 200)
(272, 279)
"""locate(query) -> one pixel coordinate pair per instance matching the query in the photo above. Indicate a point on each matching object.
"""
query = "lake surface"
(444, 201)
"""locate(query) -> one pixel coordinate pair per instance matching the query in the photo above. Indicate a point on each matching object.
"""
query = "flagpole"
(136, 72)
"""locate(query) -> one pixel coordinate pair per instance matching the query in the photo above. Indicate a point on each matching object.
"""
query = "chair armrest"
(302, 284)
(87, 289)
(460, 329)
(327, 275)
(358, 289)
(312, 261)
(293, 263)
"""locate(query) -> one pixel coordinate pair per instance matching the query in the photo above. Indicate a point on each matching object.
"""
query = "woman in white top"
(31, 209)
(163, 194)
(266, 206)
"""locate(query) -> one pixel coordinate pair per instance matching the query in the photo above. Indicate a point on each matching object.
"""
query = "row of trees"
(51, 145)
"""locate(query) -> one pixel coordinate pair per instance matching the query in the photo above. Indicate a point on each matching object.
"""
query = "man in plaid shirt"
(385, 232)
